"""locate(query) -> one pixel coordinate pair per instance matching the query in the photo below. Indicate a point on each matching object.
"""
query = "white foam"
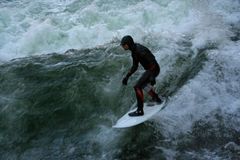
(55, 26)
(217, 86)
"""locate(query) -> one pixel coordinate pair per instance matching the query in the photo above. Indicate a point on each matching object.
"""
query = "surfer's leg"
(138, 88)
(149, 89)
(140, 99)
(150, 81)
(140, 85)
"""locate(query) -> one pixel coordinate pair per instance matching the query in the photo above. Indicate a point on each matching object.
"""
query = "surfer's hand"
(124, 81)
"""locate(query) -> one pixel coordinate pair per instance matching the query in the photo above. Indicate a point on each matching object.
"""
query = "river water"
(60, 79)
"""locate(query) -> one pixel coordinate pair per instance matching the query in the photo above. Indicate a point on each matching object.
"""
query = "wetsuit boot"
(138, 112)
(155, 97)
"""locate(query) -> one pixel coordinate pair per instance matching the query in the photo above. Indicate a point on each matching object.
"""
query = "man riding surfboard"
(142, 55)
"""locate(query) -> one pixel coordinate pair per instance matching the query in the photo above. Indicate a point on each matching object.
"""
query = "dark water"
(62, 106)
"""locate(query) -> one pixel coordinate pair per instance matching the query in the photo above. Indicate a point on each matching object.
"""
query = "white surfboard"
(127, 121)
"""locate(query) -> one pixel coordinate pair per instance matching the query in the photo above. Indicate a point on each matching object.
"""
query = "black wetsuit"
(143, 55)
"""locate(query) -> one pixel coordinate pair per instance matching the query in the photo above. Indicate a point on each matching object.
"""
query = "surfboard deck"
(127, 121)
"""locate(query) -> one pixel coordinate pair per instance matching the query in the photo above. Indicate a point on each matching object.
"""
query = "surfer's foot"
(136, 113)
(157, 100)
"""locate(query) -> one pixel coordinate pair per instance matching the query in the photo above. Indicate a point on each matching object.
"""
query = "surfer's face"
(125, 46)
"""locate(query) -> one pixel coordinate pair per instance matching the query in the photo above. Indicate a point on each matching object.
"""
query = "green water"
(62, 93)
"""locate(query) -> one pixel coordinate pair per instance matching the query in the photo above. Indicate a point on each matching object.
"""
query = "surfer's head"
(127, 42)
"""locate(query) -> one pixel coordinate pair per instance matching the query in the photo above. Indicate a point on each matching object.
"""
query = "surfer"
(142, 55)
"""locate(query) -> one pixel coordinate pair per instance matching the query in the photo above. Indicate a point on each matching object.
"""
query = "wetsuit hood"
(129, 41)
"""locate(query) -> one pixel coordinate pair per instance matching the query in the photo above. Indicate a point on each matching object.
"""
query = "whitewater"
(61, 66)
